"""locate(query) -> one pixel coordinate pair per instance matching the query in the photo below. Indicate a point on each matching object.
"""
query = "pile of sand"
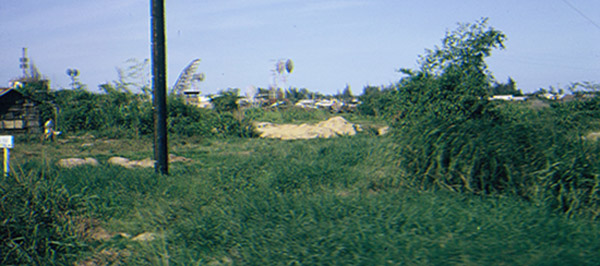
(332, 127)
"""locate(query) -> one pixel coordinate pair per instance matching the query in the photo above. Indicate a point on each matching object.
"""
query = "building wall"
(18, 114)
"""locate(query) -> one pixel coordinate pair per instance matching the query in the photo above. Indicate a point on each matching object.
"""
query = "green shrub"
(286, 115)
(39, 90)
(378, 102)
(81, 110)
(529, 155)
(227, 101)
(124, 114)
(450, 136)
(37, 217)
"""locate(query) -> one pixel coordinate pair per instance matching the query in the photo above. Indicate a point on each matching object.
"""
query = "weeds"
(338, 201)
(531, 156)
(37, 220)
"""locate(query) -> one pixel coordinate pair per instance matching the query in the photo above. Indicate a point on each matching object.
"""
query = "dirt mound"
(332, 127)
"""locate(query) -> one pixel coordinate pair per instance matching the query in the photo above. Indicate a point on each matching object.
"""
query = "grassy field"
(340, 201)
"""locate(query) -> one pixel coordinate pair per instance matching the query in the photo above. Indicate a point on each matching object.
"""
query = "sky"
(333, 43)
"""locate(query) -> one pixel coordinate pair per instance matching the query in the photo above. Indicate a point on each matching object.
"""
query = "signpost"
(6, 143)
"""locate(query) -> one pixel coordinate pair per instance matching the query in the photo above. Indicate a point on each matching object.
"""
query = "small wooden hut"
(18, 114)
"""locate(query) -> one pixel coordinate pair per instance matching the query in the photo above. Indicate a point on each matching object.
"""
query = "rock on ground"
(143, 237)
(592, 136)
(383, 130)
(122, 161)
(145, 163)
(74, 162)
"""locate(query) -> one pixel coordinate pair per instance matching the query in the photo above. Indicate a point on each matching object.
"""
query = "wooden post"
(159, 85)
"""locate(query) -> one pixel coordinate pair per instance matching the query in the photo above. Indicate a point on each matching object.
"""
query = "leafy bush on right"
(452, 137)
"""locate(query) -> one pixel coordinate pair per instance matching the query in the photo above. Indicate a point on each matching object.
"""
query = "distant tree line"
(117, 112)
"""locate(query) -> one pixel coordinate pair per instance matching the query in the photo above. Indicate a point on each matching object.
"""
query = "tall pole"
(159, 86)
(24, 63)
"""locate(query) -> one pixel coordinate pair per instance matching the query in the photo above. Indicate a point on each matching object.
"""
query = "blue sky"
(332, 42)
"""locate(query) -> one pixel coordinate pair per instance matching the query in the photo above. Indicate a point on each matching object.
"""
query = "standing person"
(49, 132)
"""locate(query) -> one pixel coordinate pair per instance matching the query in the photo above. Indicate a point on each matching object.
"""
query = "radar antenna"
(184, 82)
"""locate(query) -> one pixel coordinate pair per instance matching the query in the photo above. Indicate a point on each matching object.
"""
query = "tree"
(584, 87)
(453, 81)
(378, 101)
(135, 77)
(347, 94)
(465, 48)
(508, 88)
(294, 94)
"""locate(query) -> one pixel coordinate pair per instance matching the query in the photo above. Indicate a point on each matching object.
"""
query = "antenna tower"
(24, 63)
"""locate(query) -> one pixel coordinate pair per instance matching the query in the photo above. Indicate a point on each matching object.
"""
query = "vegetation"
(121, 113)
(256, 201)
(39, 90)
(36, 220)
(451, 136)
(461, 179)
(226, 101)
(508, 88)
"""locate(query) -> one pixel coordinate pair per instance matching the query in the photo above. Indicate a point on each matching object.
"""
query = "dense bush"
(452, 137)
(227, 101)
(378, 102)
(39, 91)
(291, 114)
(120, 113)
(82, 110)
(188, 120)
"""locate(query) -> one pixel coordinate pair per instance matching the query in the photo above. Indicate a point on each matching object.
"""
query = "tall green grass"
(538, 155)
(37, 214)
(341, 201)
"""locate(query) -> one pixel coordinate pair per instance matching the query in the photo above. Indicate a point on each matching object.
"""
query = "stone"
(74, 162)
(174, 158)
(383, 130)
(143, 237)
(145, 163)
(120, 161)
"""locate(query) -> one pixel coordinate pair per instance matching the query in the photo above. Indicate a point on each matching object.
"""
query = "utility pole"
(159, 86)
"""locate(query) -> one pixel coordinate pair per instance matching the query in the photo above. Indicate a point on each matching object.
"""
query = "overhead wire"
(582, 14)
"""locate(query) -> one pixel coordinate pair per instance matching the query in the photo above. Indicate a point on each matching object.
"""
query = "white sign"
(6, 142)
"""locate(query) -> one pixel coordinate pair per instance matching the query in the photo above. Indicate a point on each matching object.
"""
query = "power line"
(582, 14)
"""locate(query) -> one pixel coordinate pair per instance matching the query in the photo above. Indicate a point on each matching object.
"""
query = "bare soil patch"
(335, 126)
